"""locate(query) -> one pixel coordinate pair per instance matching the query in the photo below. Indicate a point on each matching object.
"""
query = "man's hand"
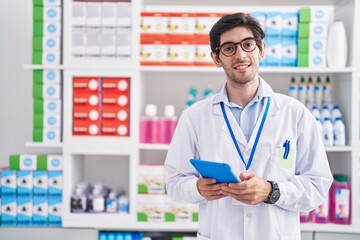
(251, 190)
(209, 189)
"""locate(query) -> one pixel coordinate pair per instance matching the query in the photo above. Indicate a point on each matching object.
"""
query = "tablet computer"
(221, 172)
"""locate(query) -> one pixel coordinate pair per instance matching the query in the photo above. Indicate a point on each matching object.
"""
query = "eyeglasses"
(229, 48)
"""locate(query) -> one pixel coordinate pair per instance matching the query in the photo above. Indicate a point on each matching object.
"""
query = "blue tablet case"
(221, 172)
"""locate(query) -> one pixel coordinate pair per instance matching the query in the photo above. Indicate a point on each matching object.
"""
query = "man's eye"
(228, 48)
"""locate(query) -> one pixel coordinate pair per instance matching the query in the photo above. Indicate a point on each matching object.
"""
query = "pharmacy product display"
(31, 191)
(47, 47)
(159, 44)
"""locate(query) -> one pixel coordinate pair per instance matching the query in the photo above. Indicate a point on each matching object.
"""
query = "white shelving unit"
(165, 84)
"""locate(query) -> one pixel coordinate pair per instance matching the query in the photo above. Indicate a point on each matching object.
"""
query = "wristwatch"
(274, 194)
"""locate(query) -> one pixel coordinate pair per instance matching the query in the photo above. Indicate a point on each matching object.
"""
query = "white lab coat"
(304, 180)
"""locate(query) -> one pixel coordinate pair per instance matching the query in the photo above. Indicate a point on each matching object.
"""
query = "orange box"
(153, 22)
(181, 23)
(86, 99)
(121, 114)
(115, 85)
(205, 21)
(115, 128)
(86, 113)
(181, 50)
(86, 84)
(115, 99)
(153, 49)
(85, 128)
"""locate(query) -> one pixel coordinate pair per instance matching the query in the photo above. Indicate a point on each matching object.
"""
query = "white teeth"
(241, 66)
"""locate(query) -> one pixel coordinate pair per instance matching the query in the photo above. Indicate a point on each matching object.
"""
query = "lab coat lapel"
(273, 109)
(239, 135)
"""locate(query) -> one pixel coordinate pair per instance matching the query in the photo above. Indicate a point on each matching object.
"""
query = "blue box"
(24, 183)
(261, 17)
(9, 210)
(40, 210)
(289, 52)
(290, 24)
(54, 211)
(8, 182)
(40, 183)
(273, 51)
(55, 183)
(273, 24)
(24, 210)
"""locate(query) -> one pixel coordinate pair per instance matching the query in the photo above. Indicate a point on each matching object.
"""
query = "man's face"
(242, 67)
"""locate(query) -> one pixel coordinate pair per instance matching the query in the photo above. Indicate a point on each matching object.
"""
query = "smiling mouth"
(241, 66)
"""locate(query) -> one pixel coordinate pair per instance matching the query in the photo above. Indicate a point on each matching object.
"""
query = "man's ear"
(216, 59)
(262, 52)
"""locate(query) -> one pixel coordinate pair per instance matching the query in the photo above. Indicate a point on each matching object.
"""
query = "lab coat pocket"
(285, 158)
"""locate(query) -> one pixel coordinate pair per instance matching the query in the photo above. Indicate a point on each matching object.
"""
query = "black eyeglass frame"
(218, 49)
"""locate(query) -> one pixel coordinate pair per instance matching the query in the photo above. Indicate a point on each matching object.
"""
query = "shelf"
(339, 149)
(46, 233)
(98, 220)
(278, 70)
(144, 146)
(43, 145)
(35, 67)
(100, 145)
(329, 227)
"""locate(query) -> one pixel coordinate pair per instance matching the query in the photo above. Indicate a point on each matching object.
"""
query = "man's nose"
(240, 53)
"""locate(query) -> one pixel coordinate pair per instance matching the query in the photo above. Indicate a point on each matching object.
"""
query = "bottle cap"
(314, 106)
(327, 119)
(150, 110)
(340, 177)
(336, 107)
(325, 106)
(338, 119)
(169, 110)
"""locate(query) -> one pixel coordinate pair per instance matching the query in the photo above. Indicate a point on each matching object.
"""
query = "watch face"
(275, 196)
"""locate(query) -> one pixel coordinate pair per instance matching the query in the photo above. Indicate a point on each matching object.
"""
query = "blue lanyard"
(257, 135)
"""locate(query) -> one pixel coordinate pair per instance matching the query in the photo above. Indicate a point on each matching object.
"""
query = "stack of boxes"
(31, 191)
(154, 205)
(312, 39)
(176, 38)
(281, 35)
(47, 82)
(101, 106)
(101, 29)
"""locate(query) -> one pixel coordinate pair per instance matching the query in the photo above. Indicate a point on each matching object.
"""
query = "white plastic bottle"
(315, 111)
(339, 132)
(325, 113)
(318, 91)
(302, 90)
(293, 88)
(310, 92)
(328, 132)
(335, 113)
(327, 91)
(319, 125)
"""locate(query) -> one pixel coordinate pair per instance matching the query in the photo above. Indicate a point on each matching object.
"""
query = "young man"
(270, 140)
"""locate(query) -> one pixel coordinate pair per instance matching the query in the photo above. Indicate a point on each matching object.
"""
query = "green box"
(304, 30)
(303, 45)
(37, 43)
(38, 28)
(38, 91)
(38, 121)
(41, 163)
(38, 3)
(38, 76)
(303, 60)
(14, 162)
(38, 135)
(38, 13)
(37, 57)
(304, 15)
(38, 106)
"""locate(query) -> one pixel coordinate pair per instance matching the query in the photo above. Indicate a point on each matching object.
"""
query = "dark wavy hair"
(230, 21)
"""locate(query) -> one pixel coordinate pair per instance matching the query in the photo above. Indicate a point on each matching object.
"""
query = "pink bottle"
(167, 125)
(321, 213)
(304, 217)
(340, 204)
(149, 125)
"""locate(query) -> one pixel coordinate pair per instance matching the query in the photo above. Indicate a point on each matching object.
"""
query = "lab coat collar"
(264, 91)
